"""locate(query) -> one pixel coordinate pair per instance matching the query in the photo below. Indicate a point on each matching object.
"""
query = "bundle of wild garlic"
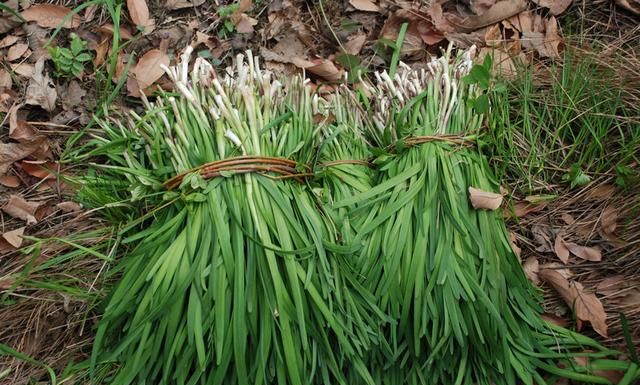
(236, 276)
(464, 311)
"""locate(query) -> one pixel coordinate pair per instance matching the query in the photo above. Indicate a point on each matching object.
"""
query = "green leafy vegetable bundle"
(236, 275)
(463, 310)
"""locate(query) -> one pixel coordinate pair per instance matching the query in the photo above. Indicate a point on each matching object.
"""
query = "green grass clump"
(569, 122)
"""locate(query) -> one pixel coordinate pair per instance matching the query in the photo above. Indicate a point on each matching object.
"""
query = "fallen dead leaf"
(531, 267)
(41, 91)
(364, 5)
(586, 306)
(354, 44)
(608, 220)
(542, 237)
(139, 12)
(25, 70)
(51, 16)
(499, 11)
(611, 285)
(556, 7)
(5, 79)
(107, 30)
(8, 41)
(326, 70)
(554, 319)
(40, 169)
(8, 20)
(587, 253)
(484, 200)
(629, 5)
(19, 208)
(21, 131)
(11, 181)
(179, 4)
(16, 51)
(567, 218)
(244, 23)
(148, 70)
(521, 209)
(601, 192)
(14, 237)
(561, 249)
(514, 246)
(69, 207)
(11, 152)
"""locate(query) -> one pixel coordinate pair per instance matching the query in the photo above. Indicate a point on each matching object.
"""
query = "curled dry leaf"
(179, 4)
(587, 253)
(629, 5)
(556, 7)
(483, 199)
(14, 237)
(139, 12)
(521, 209)
(586, 306)
(567, 218)
(11, 152)
(148, 69)
(326, 70)
(11, 181)
(16, 51)
(608, 220)
(8, 41)
(41, 91)
(20, 208)
(542, 237)
(355, 43)
(51, 16)
(69, 207)
(531, 268)
(512, 241)
(561, 249)
(364, 5)
(40, 169)
(499, 11)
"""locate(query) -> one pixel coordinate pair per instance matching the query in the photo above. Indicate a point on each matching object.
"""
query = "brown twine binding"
(282, 167)
(450, 138)
(362, 162)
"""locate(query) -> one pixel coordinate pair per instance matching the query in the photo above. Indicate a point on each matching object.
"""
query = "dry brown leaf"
(561, 249)
(531, 267)
(514, 246)
(40, 169)
(556, 7)
(601, 192)
(16, 51)
(244, 23)
(364, 5)
(542, 237)
(41, 91)
(554, 319)
(632, 5)
(11, 152)
(7, 20)
(567, 218)
(69, 207)
(521, 209)
(21, 130)
(499, 11)
(587, 306)
(11, 181)
(14, 237)
(25, 70)
(8, 41)
(326, 70)
(107, 30)
(179, 4)
(139, 12)
(608, 220)
(148, 69)
(7, 282)
(5, 79)
(481, 6)
(19, 208)
(484, 199)
(51, 16)
(353, 46)
(611, 285)
(587, 253)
